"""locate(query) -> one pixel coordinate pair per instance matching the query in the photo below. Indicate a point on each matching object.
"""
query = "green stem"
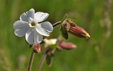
(31, 60)
(64, 19)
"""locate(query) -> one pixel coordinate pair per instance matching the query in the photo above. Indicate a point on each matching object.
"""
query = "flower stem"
(62, 21)
(42, 60)
(54, 25)
(31, 60)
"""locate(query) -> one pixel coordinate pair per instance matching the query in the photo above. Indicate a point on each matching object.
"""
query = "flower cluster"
(31, 25)
(70, 26)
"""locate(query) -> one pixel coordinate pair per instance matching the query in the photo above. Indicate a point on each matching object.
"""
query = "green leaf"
(49, 60)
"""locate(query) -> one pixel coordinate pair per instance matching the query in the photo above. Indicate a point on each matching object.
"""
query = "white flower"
(29, 26)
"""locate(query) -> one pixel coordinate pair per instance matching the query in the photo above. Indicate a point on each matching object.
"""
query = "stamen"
(33, 23)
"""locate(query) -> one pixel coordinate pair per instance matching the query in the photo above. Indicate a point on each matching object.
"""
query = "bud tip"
(86, 35)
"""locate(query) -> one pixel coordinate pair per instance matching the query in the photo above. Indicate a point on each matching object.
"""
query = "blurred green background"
(95, 54)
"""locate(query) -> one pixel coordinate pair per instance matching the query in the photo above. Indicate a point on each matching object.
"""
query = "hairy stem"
(42, 60)
(62, 21)
(31, 60)
(54, 25)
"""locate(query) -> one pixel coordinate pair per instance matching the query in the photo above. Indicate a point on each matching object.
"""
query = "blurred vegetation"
(95, 54)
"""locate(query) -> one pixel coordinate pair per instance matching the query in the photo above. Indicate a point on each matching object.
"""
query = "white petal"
(40, 16)
(47, 26)
(20, 24)
(41, 31)
(21, 32)
(50, 41)
(24, 17)
(37, 38)
(53, 41)
(31, 13)
(29, 36)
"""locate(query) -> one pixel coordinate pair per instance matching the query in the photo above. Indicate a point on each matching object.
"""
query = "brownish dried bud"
(36, 48)
(79, 32)
(67, 46)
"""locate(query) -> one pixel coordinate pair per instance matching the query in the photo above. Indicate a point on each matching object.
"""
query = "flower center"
(33, 23)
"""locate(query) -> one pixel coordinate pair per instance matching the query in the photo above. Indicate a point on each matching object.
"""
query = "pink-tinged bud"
(64, 29)
(37, 48)
(79, 32)
(67, 46)
(60, 41)
(66, 25)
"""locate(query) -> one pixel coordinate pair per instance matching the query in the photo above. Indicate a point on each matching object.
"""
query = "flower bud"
(64, 28)
(66, 25)
(79, 32)
(67, 46)
(36, 48)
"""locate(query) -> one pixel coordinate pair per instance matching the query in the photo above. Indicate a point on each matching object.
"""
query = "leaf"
(64, 32)
(49, 60)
